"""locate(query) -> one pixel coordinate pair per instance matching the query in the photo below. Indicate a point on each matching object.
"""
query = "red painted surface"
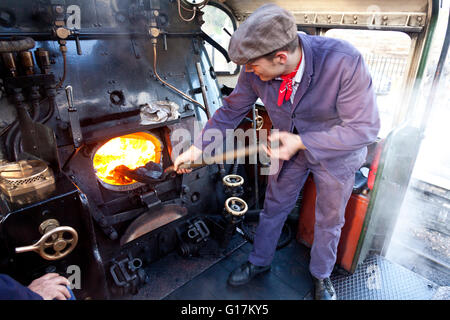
(354, 219)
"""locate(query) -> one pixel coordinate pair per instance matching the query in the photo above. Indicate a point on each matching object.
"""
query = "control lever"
(74, 119)
(77, 42)
(64, 33)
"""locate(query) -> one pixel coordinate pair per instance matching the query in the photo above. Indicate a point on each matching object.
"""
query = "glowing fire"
(133, 151)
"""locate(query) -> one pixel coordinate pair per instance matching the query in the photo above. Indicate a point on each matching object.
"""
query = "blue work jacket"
(10, 289)
(334, 109)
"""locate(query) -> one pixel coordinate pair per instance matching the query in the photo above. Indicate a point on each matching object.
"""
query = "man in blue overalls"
(50, 286)
(318, 94)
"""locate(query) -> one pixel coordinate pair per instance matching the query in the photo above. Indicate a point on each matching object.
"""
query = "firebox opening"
(132, 150)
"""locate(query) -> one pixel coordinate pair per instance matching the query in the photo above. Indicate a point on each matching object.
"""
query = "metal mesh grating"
(17, 182)
(379, 279)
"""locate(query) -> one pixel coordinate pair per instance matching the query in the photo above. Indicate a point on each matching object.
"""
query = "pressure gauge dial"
(194, 3)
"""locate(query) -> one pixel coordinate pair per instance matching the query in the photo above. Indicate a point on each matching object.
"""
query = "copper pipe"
(60, 83)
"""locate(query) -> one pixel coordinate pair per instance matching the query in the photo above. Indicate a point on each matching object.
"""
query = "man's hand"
(289, 144)
(192, 154)
(51, 286)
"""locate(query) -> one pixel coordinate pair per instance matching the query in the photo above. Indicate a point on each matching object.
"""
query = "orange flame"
(133, 151)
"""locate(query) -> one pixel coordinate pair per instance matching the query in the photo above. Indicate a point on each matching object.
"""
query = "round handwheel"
(54, 241)
(233, 180)
(236, 206)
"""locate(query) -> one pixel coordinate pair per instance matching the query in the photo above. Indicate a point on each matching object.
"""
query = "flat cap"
(267, 29)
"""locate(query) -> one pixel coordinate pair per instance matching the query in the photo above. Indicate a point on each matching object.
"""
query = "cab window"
(386, 54)
(219, 25)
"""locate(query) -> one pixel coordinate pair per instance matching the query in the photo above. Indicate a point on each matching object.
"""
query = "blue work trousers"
(281, 195)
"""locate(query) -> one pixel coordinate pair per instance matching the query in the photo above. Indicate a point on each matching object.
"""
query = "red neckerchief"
(286, 86)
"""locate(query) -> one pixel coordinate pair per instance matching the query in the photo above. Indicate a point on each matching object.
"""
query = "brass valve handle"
(53, 239)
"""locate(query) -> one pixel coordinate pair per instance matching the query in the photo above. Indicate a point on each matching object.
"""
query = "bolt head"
(59, 9)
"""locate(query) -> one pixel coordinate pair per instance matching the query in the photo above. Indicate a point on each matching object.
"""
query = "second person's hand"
(51, 286)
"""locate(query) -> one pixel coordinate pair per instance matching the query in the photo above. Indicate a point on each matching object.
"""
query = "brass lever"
(53, 239)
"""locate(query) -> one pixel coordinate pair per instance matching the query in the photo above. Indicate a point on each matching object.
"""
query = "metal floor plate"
(173, 271)
(380, 279)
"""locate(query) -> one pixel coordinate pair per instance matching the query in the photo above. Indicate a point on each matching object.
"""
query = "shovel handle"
(221, 158)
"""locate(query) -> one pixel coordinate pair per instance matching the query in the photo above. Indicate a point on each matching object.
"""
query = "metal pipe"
(20, 107)
(61, 81)
(9, 141)
(205, 101)
(255, 166)
(17, 44)
(437, 77)
(16, 145)
(168, 84)
(51, 94)
(47, 36)
(35, 110)
(203, 87)
(10, 64)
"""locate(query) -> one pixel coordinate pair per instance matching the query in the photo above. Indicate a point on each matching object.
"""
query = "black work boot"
(245, 273)
(323, 289)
